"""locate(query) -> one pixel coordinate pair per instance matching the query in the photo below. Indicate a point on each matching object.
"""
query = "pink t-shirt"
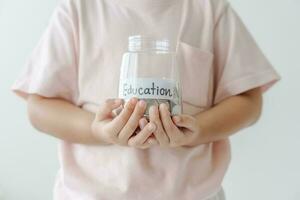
(79, 58)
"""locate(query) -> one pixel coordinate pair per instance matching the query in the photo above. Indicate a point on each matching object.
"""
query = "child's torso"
(114, 172)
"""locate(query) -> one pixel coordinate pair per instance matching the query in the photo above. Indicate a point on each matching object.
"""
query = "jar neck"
(138, 43)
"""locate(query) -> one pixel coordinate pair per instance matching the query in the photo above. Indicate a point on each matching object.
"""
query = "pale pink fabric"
(78, 59)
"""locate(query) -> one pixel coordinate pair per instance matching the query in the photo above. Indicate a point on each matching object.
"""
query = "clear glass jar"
(149, 71)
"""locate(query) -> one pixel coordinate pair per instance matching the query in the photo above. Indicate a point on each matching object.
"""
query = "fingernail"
(133, 100)
(151, 127)
(176, 119)
(142, 103)
(164, 107)
(153, 109)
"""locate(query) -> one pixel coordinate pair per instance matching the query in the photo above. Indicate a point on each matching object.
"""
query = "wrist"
(198, 139)
(200, 135)
(95, 133)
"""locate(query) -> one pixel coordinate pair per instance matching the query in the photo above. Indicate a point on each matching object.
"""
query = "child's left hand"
(176, 131)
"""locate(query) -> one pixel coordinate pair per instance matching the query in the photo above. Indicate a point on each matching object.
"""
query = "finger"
(143, 135)
(152, 141)
(143, 122)
(185, 121)
(133, 121)
(107, 107)
(144, 146)
(119, 121)
(160, 134)
(149, 142)
(117, 111)
(169, 126)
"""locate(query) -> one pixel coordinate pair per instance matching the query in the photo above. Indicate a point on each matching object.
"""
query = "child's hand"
(120, 129)
(174, 131)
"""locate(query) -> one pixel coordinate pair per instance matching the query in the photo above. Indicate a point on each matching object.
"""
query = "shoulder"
(214, 8)
(80, 7)
(79, 4)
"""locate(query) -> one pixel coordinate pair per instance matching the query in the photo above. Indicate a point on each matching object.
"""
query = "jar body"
(149, 71)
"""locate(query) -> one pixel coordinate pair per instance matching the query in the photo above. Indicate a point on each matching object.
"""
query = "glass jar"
(149, 71)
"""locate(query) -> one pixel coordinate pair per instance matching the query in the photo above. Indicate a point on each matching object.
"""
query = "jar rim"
(148, 43)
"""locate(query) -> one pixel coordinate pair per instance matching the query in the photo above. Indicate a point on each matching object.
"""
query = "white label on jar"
(148, 88)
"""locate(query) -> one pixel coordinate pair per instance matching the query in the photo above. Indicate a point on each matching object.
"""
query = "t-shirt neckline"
(142, 4)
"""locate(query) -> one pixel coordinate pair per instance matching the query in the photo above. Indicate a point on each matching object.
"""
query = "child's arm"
(217, 123)
(229, 116)
(61, 119)
(68, 122)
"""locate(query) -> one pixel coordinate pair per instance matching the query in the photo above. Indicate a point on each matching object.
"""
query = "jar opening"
(148, 43)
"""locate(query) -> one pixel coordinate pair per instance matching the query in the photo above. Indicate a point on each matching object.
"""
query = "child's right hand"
(120, 129)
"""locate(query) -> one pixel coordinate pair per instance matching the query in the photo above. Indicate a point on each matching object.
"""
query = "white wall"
(28, 160)
(266, 161)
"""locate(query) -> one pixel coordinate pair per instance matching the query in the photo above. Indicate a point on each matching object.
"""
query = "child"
(72, 77)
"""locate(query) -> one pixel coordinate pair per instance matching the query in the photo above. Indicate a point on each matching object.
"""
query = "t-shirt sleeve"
(240, 64)
(51, 69)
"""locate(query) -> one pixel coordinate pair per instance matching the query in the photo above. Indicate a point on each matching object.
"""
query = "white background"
(266, 160)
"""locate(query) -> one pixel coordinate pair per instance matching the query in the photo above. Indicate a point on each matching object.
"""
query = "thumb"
(106, 108)
(185, 121)
(143, 122)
